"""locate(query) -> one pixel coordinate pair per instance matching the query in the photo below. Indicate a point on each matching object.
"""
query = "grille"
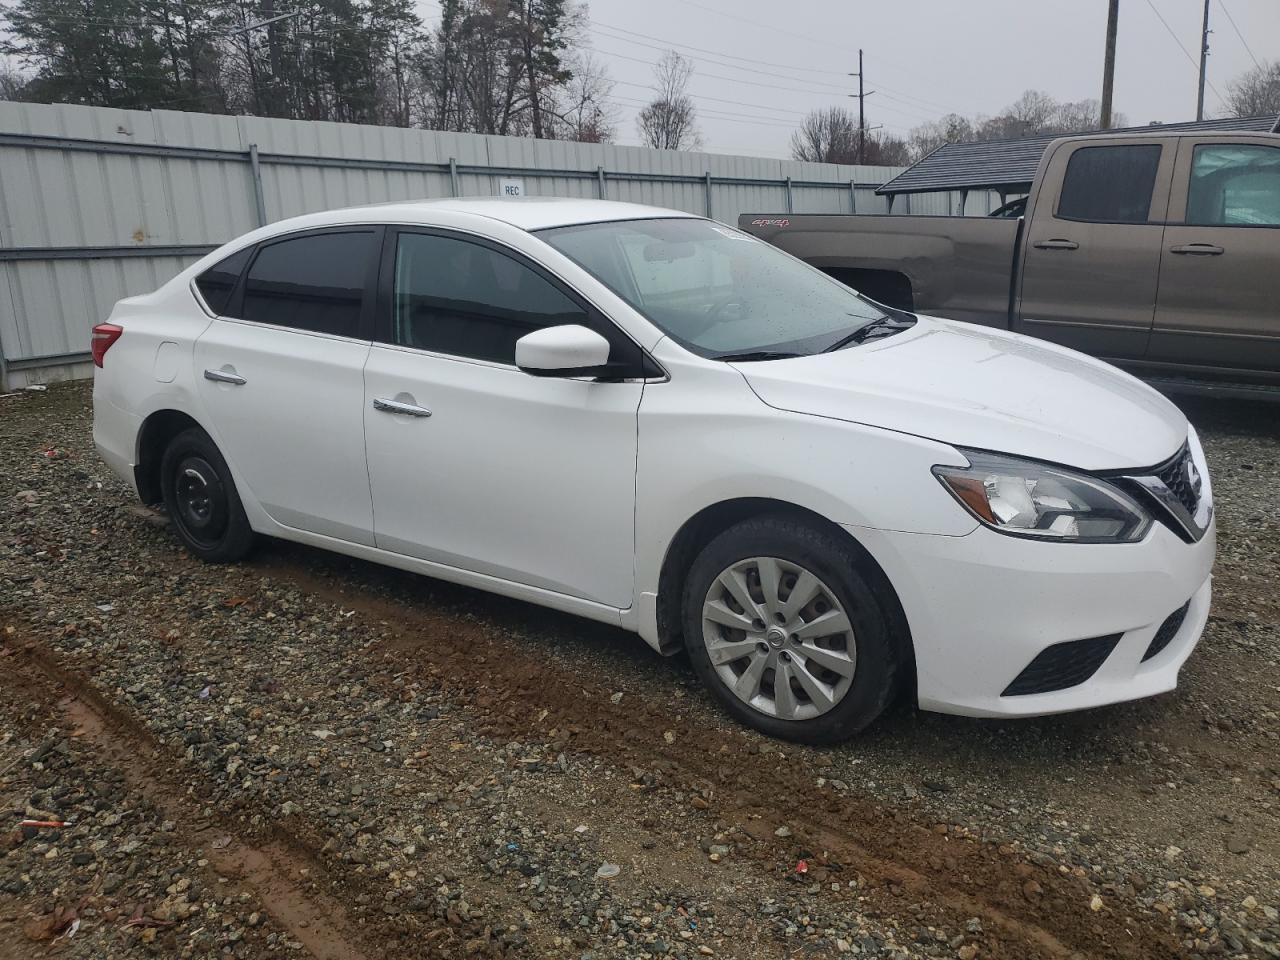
(1168, 630)
(1062, 665)
(1176, 476)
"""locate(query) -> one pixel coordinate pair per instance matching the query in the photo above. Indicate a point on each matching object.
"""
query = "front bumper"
(982, 606)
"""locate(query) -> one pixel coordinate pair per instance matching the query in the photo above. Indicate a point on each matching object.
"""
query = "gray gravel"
(447, 772)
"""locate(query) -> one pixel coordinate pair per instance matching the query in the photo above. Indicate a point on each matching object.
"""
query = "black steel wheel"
(202, 499)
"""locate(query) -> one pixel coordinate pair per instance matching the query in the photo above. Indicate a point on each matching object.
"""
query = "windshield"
(716, 290)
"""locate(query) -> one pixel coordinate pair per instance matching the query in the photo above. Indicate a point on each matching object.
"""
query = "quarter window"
(1234, 185)
(468, 300)
(314, 282)
(218, 282)
(1110, 184)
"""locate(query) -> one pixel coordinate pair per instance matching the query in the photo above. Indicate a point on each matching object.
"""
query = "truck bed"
(957, 267)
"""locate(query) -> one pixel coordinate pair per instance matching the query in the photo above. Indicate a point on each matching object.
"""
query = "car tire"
(793, 681)
(202, 499)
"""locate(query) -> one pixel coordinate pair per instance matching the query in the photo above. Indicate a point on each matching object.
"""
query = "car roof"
(526, 213)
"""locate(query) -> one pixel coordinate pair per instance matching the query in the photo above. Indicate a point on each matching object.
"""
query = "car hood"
(974, 386)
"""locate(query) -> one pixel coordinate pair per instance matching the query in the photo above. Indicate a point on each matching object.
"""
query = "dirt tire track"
(266, 868)
(1027, 910)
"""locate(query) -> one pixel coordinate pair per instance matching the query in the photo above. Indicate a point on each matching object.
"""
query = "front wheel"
(786, 631)
(202, 499)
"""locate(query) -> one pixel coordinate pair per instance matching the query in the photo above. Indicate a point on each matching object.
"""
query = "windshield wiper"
(882, 327)
(758, 355)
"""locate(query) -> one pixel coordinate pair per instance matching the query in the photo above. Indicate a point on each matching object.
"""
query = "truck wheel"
(788, 634)
(202, 499)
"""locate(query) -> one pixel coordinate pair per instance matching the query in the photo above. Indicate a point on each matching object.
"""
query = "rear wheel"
(784, 628)
(202, 499)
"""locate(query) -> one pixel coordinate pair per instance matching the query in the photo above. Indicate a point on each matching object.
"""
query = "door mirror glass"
(567, 350)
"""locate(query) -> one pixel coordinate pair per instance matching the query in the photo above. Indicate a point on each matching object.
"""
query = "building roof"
(1010, 165)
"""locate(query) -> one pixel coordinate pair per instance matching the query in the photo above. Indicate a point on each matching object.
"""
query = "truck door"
(1091, 257)
(1219, 304)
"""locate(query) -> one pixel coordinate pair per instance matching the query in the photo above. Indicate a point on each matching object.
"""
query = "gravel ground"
(305, 755)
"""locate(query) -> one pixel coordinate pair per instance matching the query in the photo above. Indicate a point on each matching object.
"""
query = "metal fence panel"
(98, 204)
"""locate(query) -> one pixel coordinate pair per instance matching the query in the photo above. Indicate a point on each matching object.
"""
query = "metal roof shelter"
(1009, 166)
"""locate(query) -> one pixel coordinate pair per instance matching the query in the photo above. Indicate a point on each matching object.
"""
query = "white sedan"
(654, 420)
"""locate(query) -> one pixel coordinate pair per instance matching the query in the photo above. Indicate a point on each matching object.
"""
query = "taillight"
(104, 335)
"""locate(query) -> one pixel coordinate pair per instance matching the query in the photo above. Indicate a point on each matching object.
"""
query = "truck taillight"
(104, 335)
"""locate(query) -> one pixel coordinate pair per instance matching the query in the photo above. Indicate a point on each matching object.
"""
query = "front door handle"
(1198, 249)
(1056, 245)
(225, 376)
(399, 406)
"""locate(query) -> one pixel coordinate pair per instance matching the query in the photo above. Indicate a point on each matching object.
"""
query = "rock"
(1032, 890)
(967, 952)
(783, 831)
(1237, 845)
(1095, 903)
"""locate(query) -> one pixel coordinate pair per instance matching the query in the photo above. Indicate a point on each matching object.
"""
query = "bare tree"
(929, 136)
(827, 136)
(669, 121)
(585, 112)
(884, 149)
(1255, 92)
(11, 81)
(1034, 114)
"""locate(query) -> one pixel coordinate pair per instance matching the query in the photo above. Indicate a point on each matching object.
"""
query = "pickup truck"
(1157, 252)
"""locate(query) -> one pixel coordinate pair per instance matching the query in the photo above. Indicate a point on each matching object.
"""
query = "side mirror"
(569, 350)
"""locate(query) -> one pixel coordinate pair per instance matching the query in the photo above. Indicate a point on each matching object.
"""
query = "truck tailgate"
(957, 267)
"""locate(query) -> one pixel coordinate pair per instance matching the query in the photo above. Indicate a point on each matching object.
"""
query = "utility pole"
(862, 112)
(1109, 63)
(1204, 61)
(272, 43)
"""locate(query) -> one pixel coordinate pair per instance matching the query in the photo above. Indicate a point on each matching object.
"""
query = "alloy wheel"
(779, 638)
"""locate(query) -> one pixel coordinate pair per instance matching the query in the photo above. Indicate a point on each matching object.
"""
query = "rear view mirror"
(667, 251)
(568, 350)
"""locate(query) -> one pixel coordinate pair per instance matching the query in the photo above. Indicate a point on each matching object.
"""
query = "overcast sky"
(760, 65)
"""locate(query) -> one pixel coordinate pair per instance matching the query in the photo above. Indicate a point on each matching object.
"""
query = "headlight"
(1028, 499)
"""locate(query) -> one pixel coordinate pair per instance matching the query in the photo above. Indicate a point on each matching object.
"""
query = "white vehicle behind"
(656, 421)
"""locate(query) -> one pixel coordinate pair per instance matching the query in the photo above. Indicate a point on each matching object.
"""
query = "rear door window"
(316, 282)
(1110, 184)
(218, 282)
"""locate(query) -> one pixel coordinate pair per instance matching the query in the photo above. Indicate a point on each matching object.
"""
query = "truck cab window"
(1234, 185)
(1110, 184)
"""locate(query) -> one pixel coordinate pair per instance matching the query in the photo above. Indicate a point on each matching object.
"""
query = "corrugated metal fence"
(100, 204)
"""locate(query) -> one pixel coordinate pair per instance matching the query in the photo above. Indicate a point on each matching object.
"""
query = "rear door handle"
(399, 406)
(225, 376)
(1056, 245)
(1198, 249)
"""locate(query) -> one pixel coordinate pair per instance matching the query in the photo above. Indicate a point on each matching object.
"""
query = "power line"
(1232, 21)
(772, 28)
(769, 86)
(719, 76)
(754, 61)
(729, 66)
(1185, 52)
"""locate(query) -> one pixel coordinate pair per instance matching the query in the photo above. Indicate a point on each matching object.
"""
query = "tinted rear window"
(1110, 184)
(218, 282)
(314, 283)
